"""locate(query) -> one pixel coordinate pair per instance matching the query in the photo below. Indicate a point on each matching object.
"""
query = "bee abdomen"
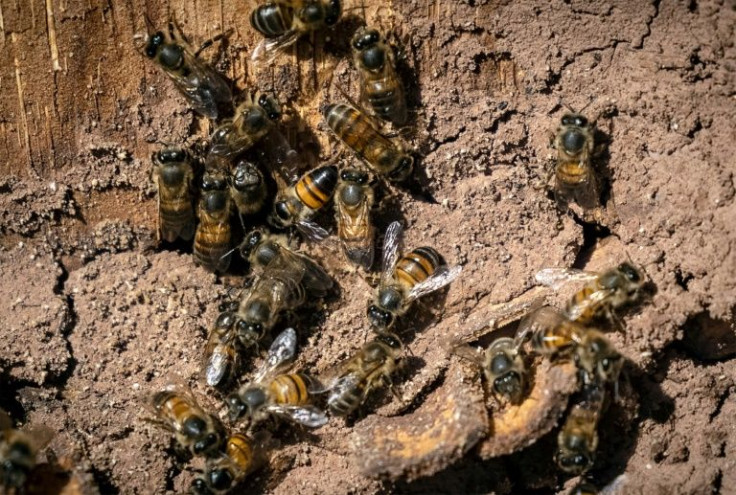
(417, 266)
(344, 403)
(272, 19)
(316, 188)
(572, 173)
(349, 125)
(240, 449)
(292, 389)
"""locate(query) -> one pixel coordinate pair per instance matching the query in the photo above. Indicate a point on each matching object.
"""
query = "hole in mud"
(104, 482)
(709, 339)
(683, 279)
(593, 234)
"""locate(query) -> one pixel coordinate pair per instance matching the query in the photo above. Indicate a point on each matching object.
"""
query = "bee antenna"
(230, 252)
(592, 99)
(149, 24)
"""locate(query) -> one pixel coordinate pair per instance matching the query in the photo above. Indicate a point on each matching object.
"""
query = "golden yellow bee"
(173, 175)
(213, 236)
(357, 132)
(271, 392)
(281, 22)
(253, 119)
(381, 87)
(370, 368)
(247, 188)
(196, 431)
(403, 280)
(226, 471)
(203, 87)
(504, 369)
(577, 441)
(353, 202)
(575, 179)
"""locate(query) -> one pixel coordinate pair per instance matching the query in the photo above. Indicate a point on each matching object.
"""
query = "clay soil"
(95, 315)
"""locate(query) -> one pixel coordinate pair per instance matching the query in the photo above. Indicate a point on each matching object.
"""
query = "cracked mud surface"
(95, 317)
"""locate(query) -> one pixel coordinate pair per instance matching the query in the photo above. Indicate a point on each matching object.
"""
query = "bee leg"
(212, 40)
(617, 322)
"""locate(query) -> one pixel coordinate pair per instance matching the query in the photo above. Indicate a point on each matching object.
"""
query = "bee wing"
(390, 251)
(276, 151)
(440, 278)
(316, 280)
(579, 308)
(204, 87)
(542, 317)
(306, 415)
(557, 277)
(312, 230)
(282, 350)
(222, 359)
(268, 48)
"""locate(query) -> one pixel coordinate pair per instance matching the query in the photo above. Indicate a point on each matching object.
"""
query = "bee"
(296, 205)
(281, 22)
(357, 132)
(18, 451)
(602, 295)
(417, 273)
(578, 438)
(213, 236)
(173, 175)
(553, 334)
(370, 368)
(584, 488)
(203, 87)
(504, 369)
(254, 118)
(260, 248)
(381, 87)
(247, 188)
(271, 392)
(221, 355)
(226, 471)
(353, 202)
(196, 431)
(575, 179)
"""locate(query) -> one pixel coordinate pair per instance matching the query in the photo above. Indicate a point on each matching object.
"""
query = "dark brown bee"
(577, 441)
(287, 395)
(261, 248)
(504, 369)
(417, 273)
(575, 178)
(254, 118)
(353, 203)
(357, 132)
(247, 188)
(204, 88)
(200, 433)
(173, 175)
(18, 451)
(370, 368)
(221, 354)
(381, 87)
(226, 471)
(213, 236)
(602, 295)
(297, 204)
(283, 21)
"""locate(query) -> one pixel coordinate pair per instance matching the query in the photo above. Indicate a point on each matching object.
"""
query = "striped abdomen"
(172, 408)
(417, 266)
(572, 173)
(272, 19)
(553, 339)
(356, 131)
(344, 401)
(213, 235)
(291, 389)
(582, 298)
(386, 97)
(315, 188)
(239, 449)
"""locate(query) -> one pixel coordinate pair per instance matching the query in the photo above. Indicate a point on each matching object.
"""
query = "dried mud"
(95, 316)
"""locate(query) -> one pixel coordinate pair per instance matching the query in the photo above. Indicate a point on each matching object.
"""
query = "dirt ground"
(95, 316)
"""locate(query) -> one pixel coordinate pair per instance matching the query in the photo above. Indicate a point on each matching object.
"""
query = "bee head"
(631, 273)
(154, 43)
(364, 38)
(199, 487)
(380, 318)
(574, 463)
(245, 176)
(390, 340)
(270, 105)
(219, 478)
(249, 333)
(574, 120)
(212, 182)
(354, 175)
(250, 242)
(403, 170)
(171, 155)
(510, 385)
(236, 406)
(332, 12)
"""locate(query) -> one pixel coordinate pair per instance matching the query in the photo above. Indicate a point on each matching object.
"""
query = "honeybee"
(575, 179)
(370, 368)
(418, 273)
(260, 248)
(603, 295)
(578, 438)
(18, 451)
(353, 202)
(213, 236)
(221, 355)
(504, 369)
(203, 87)
(356, 131)
(247, 188)
(226, 471)
(553, 334)
(173, 175)
(271, 392)
(296, 205)
(279, 288)
(200, 433)
(584, 488)
(253, 119)
(283, 21)
(381, 87)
